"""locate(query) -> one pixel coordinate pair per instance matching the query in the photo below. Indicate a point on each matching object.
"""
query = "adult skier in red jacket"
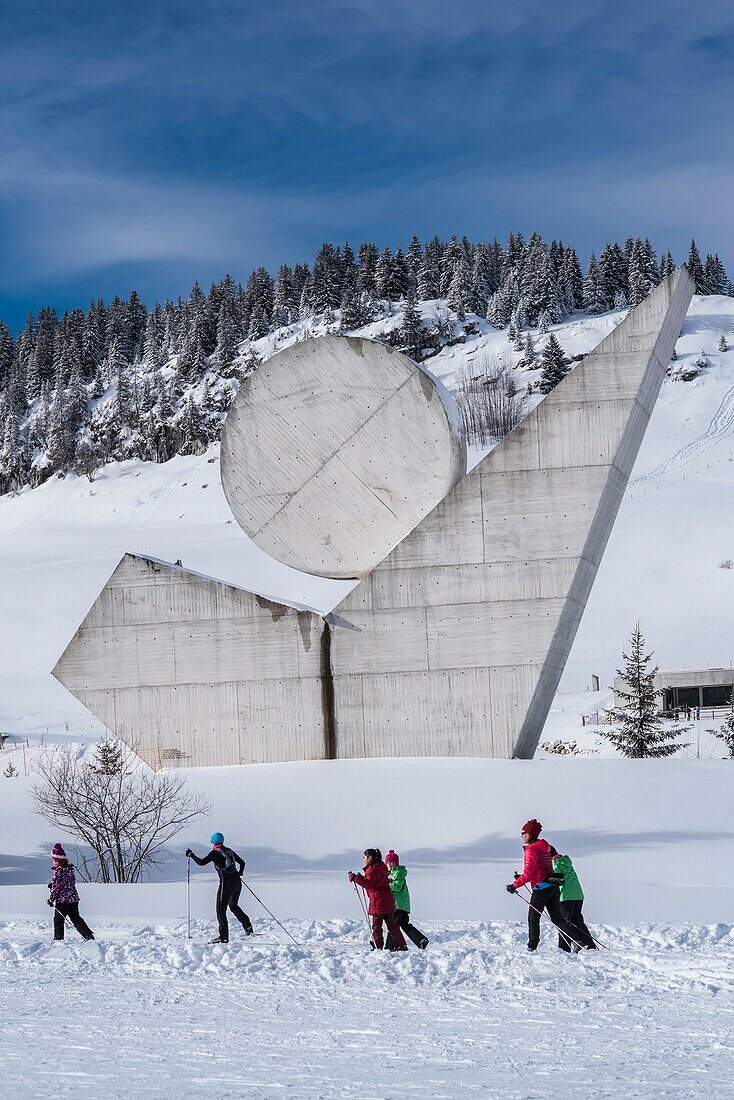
(537, 870)
(376, 881)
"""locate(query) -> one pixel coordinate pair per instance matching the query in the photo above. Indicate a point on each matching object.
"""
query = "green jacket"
(399, 887)
(571, 889)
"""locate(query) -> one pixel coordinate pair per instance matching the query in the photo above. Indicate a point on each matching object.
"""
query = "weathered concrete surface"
(454, 645)
(193, 672)
(334, 450)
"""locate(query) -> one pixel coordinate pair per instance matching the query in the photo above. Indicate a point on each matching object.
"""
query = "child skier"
(376, 881)
(572, 896)
(399, 887)
(229, 866)
(538, 870)
(64, 898)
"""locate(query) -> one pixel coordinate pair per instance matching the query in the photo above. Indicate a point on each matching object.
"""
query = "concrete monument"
(455, 640)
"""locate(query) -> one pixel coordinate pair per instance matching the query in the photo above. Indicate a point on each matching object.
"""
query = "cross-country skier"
(399, 887)
(376, 881)
(64, 898)
(229, 866)
(538, 870)
(572, 896)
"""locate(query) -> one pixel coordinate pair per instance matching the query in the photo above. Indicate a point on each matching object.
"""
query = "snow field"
(143, 1011)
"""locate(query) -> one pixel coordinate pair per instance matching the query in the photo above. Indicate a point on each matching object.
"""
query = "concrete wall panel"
(193, 672)
(545, 498)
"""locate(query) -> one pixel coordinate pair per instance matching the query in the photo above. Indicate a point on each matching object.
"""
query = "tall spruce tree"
(410, 327)
(695, 268)
(594, 301)
(639, 729)
(554, 365)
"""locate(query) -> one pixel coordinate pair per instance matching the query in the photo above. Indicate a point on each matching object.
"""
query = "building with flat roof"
(707, 687)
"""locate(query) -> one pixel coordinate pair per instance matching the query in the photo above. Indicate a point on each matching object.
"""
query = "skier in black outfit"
(229, 866)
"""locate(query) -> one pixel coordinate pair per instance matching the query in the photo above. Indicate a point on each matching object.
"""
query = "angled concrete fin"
(463, 631)
(190, 671)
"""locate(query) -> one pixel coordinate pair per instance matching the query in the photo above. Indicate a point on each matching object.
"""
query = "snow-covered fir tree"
(114, 380)
(554, 365)
(639, 729)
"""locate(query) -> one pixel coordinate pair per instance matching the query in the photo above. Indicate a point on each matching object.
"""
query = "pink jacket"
(536, 863)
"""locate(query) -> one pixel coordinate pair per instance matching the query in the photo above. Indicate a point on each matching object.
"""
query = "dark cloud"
(157, 143)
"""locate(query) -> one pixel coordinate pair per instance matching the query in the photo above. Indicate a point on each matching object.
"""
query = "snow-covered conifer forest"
(123, 379)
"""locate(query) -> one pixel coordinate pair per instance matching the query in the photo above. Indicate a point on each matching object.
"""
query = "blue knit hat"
(217, 838)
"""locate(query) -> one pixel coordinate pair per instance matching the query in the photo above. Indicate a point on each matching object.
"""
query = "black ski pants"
(402, 919)
(70, 910)
(549, 899)
(228, 896)
(571, 910)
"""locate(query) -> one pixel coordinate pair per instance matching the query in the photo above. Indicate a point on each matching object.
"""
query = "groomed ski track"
(143, 1013)
(719, 429)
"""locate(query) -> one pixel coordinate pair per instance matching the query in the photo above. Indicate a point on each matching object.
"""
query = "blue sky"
(150, 144)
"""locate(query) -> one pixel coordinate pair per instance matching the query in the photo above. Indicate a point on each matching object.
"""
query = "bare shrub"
(728, 564)
(488, 400)
(116, 806)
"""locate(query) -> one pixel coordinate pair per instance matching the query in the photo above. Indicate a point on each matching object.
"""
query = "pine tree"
(428, 277)
(554, 364)
(667, 265)
(716, 278)
(152, 342)
(451, 257)
(593, 292)
(12, 453)
(410, 327)
(368, 257)
(570, 281)
(383, 274)
(458, 289)
(326, 279)
(725, 732)
(481, 281)
(192, 435)
(227, 341)
(637, 283)
(414, 258)
(612, 273)
(60, 433)
(695, 268)
(640, 731)
(400, 277)
(530, 358)
(723, 346)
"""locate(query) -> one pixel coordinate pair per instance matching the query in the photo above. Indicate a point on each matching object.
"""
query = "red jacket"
(536, 863)
(376, 881)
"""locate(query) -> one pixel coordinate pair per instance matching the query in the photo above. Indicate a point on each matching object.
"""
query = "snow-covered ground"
(147, 1013)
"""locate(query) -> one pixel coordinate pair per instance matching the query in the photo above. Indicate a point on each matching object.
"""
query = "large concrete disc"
(334, 450)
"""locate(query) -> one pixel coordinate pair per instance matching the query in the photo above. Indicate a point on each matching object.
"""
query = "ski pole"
(571, 942)
(366, 915)
(188, 895)
(593, 937)
(269, 913)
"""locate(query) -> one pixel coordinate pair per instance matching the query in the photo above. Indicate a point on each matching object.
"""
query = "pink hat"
(392, 857)
(58, 852)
